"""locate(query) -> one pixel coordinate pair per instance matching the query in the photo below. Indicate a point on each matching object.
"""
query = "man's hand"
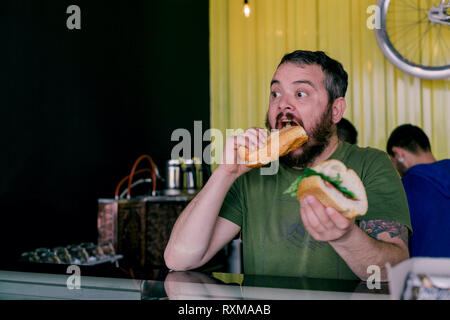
(253, 138)
(353, 245)
(324, 224)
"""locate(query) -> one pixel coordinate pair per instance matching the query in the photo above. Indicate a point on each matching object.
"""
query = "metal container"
(188, 175)
(173, 176)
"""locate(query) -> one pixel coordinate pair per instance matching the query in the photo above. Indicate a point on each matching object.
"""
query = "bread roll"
(329, 196)
(279, 143)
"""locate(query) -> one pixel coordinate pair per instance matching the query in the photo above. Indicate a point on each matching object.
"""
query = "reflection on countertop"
(160, 284)
(190, 285)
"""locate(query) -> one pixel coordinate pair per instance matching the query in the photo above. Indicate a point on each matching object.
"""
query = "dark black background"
(78, 107)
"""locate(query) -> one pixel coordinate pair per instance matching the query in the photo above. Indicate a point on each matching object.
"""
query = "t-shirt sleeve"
(233, 205)
(385, 194)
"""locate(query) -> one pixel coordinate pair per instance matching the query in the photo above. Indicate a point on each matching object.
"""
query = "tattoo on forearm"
(374, 227)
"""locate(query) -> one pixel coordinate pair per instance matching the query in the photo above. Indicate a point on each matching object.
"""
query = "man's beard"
(318, 140)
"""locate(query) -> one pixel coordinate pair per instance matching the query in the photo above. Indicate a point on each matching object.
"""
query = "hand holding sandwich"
(331, 196)
(324, 223)
(252, 139)
(257, 147)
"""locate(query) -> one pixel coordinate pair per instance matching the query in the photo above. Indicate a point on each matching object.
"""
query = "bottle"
(188, 176)
(173, 177)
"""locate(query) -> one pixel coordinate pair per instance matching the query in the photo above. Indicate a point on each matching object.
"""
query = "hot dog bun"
(289, 139)
(329, 196)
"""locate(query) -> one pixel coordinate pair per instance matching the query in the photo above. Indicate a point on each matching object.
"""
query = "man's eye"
(301, 94)
(275, 94)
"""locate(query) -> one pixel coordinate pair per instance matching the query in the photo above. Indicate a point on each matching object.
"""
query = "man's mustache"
(289, 116)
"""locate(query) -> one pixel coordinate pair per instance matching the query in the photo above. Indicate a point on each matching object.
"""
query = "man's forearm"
(359, 251)
(193, 229)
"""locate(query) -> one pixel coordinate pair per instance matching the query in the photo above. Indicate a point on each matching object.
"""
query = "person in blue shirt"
(427, 186)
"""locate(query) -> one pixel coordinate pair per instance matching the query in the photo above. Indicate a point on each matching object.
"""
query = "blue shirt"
(427, 188)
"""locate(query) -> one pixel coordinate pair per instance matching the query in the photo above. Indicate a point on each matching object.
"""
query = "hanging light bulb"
(246, 9)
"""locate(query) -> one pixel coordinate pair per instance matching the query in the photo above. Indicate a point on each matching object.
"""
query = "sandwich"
(334, 186)
(279, 143)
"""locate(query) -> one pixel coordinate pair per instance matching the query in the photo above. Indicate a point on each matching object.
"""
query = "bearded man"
(280, 236)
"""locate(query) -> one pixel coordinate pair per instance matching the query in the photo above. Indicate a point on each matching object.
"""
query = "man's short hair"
(336, 78)
(346, 131)
(408, 137)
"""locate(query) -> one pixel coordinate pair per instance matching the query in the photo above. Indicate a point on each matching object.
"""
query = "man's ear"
(338, 109)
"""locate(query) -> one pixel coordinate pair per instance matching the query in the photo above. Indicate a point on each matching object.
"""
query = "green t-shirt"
(275, 242)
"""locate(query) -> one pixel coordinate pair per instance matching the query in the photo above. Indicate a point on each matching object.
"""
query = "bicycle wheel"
(415, 36)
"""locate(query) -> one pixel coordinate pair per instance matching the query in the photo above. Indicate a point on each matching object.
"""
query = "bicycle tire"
(397, 59)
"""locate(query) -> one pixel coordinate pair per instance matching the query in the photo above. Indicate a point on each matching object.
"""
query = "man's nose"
(285, 104)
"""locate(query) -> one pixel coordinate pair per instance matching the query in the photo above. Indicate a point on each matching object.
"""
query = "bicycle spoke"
(406, 5)
(436, 47)
(408, 11)
(411, 24)
(445, 49)
(419, 44)
(410, 48)
(406, 22)
(442, 50)
(400, 34)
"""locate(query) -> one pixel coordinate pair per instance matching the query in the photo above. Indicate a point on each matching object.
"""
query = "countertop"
(189, 285)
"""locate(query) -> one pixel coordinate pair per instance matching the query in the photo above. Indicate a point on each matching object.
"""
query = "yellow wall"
(244, 53)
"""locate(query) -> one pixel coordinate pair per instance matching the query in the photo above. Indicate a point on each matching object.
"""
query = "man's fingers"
(320, 212)
(251, 139)
(259, 135)
(323, 223)
(311, 217)
(306, 223)
(338, 219)
(245, 141)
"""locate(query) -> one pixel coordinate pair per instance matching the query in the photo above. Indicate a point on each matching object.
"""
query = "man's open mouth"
(285, 122)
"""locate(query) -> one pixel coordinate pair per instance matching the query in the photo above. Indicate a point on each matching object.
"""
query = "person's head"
(308, 88)
(347, 132)
(407, 146)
